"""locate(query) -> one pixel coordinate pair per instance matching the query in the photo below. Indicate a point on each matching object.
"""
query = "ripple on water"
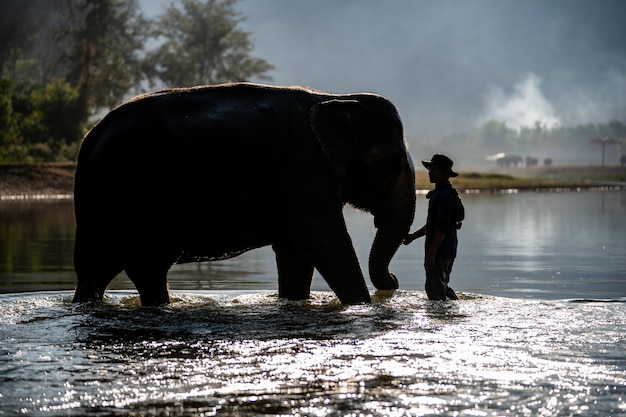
(234, 353)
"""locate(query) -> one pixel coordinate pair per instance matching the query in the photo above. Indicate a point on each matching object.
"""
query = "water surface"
(252, 354)
(540, 328)
(536, 245)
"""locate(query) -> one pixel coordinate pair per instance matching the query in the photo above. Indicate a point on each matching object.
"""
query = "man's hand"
(415, 235)
(409, 238)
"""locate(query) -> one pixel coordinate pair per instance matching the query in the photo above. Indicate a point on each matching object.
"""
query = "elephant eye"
(372, 157)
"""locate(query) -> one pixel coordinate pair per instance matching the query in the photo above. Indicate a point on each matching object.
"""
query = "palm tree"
(605, 140)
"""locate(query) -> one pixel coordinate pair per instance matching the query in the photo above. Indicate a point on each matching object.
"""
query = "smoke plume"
(525, 106)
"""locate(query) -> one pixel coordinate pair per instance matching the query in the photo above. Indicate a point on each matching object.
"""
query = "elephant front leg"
(323, 237)
(295, 273)
(339, 266)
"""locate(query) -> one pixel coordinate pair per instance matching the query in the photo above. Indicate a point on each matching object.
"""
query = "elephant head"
(363, 140)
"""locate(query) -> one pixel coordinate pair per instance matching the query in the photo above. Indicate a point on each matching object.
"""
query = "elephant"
(510, 161)
(209, 172)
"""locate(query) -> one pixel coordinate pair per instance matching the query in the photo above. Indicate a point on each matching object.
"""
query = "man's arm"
(415, 235)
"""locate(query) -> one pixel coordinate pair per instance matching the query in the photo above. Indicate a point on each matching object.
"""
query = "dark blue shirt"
(442, 218)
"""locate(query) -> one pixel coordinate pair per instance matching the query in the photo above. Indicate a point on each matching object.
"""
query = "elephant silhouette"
(209, 172)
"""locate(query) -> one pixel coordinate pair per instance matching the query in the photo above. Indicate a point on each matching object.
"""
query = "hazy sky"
(452, 64)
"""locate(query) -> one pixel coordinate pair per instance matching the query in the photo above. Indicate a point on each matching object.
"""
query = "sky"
(451, 65)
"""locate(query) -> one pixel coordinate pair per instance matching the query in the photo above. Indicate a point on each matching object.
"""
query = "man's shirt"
(441, 217)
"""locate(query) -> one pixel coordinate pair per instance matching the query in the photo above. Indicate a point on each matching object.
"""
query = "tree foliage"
(28, 49)
(201, 44)
(62, 61)
(38, 124)
(102, 43)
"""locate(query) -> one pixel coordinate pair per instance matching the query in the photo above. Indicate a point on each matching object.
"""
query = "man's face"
(436, 174)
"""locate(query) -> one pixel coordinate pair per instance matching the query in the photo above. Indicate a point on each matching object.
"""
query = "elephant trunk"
(393, 223)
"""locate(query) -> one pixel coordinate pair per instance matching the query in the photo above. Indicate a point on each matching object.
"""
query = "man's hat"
(442, 162)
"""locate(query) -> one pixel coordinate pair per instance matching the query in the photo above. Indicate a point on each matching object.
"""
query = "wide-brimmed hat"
(442, 162)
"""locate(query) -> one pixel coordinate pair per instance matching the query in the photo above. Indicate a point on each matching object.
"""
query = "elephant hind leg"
(150, 279)
(95, 268)
(92, 285)
(295, 273)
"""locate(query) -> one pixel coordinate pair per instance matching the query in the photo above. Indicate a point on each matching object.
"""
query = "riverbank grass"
(534, 178)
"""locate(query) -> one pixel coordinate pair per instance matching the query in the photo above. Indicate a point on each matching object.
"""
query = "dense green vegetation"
(64, 61)
(39, 123)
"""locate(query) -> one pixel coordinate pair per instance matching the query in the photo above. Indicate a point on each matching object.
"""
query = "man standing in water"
(445, 213)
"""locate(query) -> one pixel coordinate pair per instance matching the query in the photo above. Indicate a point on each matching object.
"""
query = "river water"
(540, 328)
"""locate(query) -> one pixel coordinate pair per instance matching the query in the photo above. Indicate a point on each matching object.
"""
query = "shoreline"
(37, 181)
(55, 180)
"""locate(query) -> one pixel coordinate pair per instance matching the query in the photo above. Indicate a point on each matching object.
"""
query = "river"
(540, 327)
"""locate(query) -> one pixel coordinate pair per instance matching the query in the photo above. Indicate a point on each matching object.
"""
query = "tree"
(495, 136)
(38, 123)
(201, 44)
(603, 141)
(28, 51)
(17, 23)
(102, 44)
(56, 109)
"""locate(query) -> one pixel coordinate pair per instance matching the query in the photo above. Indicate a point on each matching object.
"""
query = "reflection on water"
(547, 245)
(36, 244)
(252, 354)
(539, 245)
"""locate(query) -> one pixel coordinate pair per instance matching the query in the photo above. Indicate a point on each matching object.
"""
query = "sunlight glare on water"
(249, 354)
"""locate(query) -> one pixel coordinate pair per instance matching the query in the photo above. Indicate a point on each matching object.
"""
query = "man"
(445, 211)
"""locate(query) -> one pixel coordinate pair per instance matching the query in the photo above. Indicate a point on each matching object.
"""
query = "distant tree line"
(495, 137)
(64, 61)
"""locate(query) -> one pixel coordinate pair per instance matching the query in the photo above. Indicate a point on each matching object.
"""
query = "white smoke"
(524, 107)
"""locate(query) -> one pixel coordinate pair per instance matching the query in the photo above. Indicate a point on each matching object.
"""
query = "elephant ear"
(332, 123)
